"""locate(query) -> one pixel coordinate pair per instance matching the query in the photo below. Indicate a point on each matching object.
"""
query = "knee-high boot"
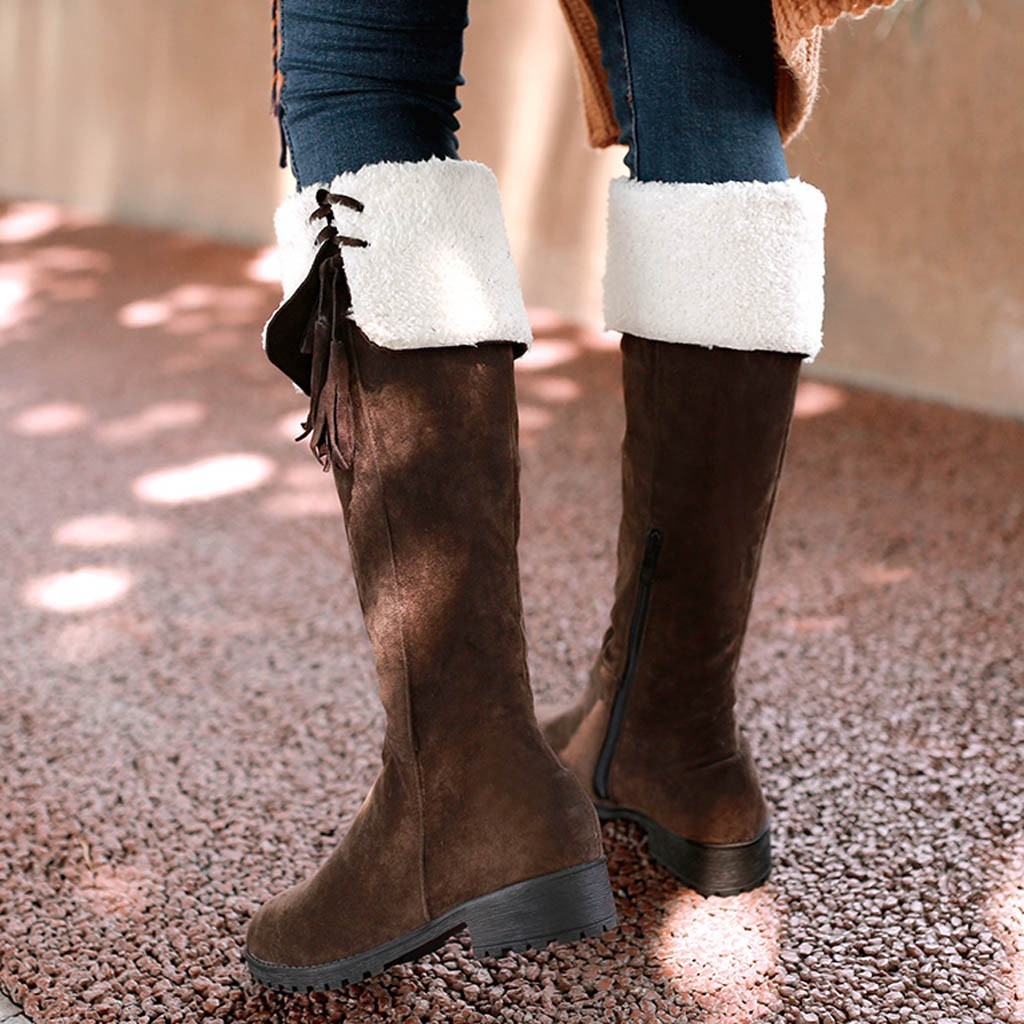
(728, 279)
(404, 332)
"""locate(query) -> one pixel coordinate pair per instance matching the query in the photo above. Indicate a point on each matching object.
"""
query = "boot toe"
(279, 932)
(266, 931)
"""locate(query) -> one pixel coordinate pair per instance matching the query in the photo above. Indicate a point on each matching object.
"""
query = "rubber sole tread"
(563, 906)
(710, 869)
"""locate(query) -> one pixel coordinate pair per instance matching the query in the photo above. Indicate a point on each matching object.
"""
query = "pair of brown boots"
(402, 320)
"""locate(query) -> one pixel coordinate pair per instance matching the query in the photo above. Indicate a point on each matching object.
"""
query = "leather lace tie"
(330, 425)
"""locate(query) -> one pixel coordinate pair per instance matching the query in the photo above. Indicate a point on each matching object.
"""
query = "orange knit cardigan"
(798, 29)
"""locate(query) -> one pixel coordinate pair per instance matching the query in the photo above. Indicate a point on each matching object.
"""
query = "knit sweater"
(798, 30)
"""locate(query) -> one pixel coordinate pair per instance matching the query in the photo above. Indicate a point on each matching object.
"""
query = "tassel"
(330, 425)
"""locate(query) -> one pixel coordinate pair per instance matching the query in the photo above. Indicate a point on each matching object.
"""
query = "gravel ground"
(188, 716)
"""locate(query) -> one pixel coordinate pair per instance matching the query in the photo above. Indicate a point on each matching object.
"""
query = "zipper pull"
(650, 559)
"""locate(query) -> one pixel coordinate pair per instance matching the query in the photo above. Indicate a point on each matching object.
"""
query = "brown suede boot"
(472, 822)
(654, 735)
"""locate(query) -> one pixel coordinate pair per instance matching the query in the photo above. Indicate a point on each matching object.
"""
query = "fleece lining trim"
(437, 270)
(740, 264)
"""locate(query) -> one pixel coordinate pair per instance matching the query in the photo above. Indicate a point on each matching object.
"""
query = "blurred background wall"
(158, 114)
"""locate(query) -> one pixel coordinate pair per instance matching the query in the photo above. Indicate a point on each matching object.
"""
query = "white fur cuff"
(437, 269)
(737, 265)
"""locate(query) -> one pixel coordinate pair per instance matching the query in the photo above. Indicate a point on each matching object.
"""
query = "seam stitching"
(630, 92)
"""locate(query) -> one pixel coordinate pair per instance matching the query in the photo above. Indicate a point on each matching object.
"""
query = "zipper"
(637, 625)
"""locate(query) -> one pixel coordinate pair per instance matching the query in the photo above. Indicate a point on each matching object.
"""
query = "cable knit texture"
(798, 28)
(437, 269)
(734, 265)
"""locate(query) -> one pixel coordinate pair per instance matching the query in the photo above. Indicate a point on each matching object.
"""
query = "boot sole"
(564, 906)
(712, 869)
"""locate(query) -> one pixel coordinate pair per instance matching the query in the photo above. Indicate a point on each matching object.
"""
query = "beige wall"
(919, 145)
(157, 114)
(522, 115)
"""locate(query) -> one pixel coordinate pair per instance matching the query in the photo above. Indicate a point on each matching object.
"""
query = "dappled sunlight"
(552, 372)
(304, 490)
(66, 273)
(883, 575)
(816, 624)
(119, 889)
(304, 476)
(550, 325)
(71, 259)
(194, 321)
(58, 273)
(14, 292)
(44, 275)
(1004, 914)
(151, 420)
(78, 590)
(218, 476)
(289, 424)
(299, 504)
(109, 530)
(460, 290)
(544, 354)
(557, 390)
(143, 313)
(23, 222)
(724, 953)
(601, 341)
(49, 420)
(265, 266)
(533, 418)
(814, 398)
(545, 321)
(192, 308)
(90, 639)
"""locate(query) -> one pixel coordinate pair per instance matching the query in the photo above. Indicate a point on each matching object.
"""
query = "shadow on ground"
(188, 715)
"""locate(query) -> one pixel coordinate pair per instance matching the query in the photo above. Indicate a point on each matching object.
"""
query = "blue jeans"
(692, 83)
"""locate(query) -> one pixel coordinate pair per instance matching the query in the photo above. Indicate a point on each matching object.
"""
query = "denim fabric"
(693, 87)
(692, 82)
(368, 80)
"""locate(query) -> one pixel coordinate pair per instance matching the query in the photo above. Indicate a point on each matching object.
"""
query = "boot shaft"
(728, 277)
(706, 431)
(431, 503)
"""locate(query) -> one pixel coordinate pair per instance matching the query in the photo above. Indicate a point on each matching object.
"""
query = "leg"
(714, 277)
(365, 82)
(401, 320)
(693, 84)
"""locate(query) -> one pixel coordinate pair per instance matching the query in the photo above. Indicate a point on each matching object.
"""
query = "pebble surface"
(188, 716)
